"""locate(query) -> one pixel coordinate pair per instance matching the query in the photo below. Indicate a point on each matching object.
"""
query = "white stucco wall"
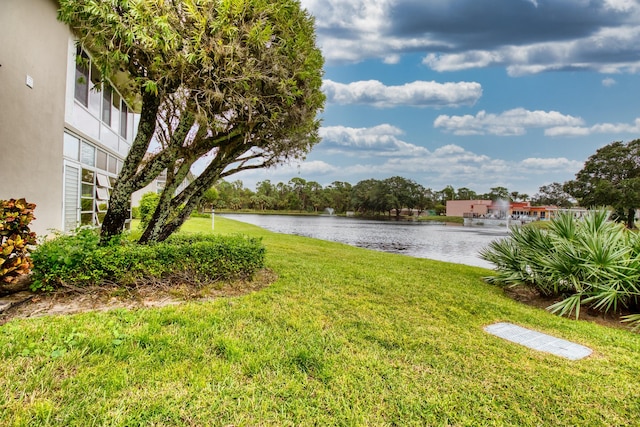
(33, 44)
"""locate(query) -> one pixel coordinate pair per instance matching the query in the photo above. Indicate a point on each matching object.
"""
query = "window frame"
(95, 182)
(82, 77)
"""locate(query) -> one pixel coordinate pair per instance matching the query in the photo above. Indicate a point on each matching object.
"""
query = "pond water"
(439, 241)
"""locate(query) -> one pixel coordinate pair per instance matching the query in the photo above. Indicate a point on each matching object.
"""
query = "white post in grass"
(213, 219)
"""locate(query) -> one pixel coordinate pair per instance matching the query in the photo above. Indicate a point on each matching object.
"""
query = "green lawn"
(345, 336)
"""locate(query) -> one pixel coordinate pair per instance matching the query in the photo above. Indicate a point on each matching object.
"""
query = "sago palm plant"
(516, 257)
(589, 261)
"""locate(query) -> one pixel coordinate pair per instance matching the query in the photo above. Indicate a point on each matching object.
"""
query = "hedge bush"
(15, 238)
(78, 260)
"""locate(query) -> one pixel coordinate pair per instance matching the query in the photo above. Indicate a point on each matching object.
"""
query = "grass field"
(345, 336)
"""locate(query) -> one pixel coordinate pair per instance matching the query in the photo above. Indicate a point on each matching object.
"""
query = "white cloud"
(354, 30)
(551, 34)
(621, 5)
(362, 15)
(567, 131)
(540, 165)
(315, 167)
(454, 165)
(299, 167)
(508, 123)
(391, 59)
(418, 93)
(462, 61)
(609, 128)
(615, 45)
(608, 82)
(309, 170)
(381, 140)
(446, 165)
(363, 20)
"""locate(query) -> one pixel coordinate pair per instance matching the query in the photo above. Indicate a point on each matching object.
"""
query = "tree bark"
(120, 200)
(184, 203)
(164, 211)
(631, 218)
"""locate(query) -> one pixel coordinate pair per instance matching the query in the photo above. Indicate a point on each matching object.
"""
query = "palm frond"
(567, 306)
(634, 320)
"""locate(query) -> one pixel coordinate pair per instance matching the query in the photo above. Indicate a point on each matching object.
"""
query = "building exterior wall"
(487, 209)
(60, 150)
(156, 186)
(470, 208)
(99, 130)
(33, 44)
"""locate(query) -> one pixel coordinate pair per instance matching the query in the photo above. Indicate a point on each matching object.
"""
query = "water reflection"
(451, 243)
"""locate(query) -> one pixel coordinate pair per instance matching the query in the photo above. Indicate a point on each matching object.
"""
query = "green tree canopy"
(366, 197)
(610, 177)
(447, 193)
(209, 199)
(404, 193)
(498, 193)
(552, 194)
(234, 81)
(465, 193)
(339, 196)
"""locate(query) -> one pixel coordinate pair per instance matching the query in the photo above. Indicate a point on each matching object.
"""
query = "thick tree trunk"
(120, 200)
(173, 225)
(631, 218)
(174, 209)
(164, 211)
(189, 198)
(169, 227)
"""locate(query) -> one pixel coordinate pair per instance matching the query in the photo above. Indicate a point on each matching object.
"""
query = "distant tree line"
(370, 197)
(609, 178)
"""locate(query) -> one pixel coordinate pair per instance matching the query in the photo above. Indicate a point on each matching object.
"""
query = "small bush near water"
(590, 261)
(78, 260)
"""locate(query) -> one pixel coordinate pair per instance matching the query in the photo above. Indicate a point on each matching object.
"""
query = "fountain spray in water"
(503, 206)
(329, 211)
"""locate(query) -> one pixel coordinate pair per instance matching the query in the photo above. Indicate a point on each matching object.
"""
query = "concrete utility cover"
(538, 341)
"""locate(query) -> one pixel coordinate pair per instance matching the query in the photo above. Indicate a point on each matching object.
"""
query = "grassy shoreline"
(441, 218)
(345, 336)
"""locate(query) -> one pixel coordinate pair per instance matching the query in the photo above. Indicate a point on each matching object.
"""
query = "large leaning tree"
(233, 84)
(610, 177)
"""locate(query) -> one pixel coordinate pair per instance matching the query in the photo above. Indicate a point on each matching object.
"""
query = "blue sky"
(470, 93)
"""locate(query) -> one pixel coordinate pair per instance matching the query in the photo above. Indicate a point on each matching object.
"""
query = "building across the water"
(468, 208)
(501, 209)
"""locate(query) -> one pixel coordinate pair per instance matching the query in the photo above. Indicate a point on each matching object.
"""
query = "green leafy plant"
(62, 259)
(148, 204)
(15, 238)
(590, 261)
(135, 212)
(79, 260)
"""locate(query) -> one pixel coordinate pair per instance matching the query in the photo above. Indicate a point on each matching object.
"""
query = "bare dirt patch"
(108, 297)
(532, 297)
